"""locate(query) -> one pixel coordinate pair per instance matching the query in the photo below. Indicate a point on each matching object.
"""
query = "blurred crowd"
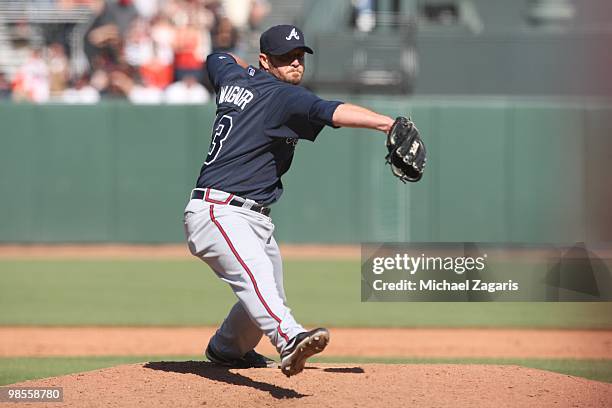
(146, 51)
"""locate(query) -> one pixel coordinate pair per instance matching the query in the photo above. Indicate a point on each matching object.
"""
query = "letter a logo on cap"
(293, 34)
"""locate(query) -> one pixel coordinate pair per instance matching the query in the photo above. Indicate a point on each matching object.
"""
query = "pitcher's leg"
(237, 335)
(232, 245)
(274, 254)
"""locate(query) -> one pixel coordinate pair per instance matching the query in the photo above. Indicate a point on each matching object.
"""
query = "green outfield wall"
(499, 170)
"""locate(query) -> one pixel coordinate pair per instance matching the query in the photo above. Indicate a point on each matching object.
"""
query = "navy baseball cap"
(281, 39)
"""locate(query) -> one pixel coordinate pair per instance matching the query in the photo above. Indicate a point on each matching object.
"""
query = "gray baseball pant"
(238, 245)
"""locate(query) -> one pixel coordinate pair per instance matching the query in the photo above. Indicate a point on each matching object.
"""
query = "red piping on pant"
(248, 271)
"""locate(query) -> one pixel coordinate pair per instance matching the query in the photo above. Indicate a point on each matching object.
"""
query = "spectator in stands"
(169, 9)
(108, 30)
(58, 69)
(163, 33)
(63, 31)
(100, 81)
(245, 14)
(152, 42)
(138, 43)
(224, 36)
(159, 69)
(5, 87)
(156, 71)
(137, 93)
(81, 93)
(191, 45)
(186, 91)
(147, 9)
(22, 32)
(31, 82)
(259, 11)
(237, 13)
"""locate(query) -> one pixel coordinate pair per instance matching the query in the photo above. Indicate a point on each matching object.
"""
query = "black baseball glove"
(407, 155)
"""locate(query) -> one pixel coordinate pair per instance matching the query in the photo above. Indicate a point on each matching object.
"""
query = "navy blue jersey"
(259, 121)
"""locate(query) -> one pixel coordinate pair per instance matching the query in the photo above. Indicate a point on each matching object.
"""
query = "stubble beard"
(294, 78)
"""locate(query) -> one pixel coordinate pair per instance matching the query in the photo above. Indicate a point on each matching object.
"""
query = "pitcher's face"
(288, 67)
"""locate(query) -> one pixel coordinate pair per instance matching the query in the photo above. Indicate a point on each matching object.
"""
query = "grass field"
(143, 293)
(179, 293)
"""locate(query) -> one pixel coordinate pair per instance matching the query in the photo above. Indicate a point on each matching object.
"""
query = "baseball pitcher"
(262, 114)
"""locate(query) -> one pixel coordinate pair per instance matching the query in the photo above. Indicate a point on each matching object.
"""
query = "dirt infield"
(180, 251)
(197, 384)
(345, 342)
(162, 251)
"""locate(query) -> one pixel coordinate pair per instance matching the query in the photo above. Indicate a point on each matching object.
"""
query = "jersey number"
(221, 130)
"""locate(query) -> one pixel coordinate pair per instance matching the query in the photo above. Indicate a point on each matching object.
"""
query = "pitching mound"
(197, 384)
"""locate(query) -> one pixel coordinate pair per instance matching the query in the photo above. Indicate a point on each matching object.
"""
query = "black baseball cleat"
(251, 359)
(302, 347)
